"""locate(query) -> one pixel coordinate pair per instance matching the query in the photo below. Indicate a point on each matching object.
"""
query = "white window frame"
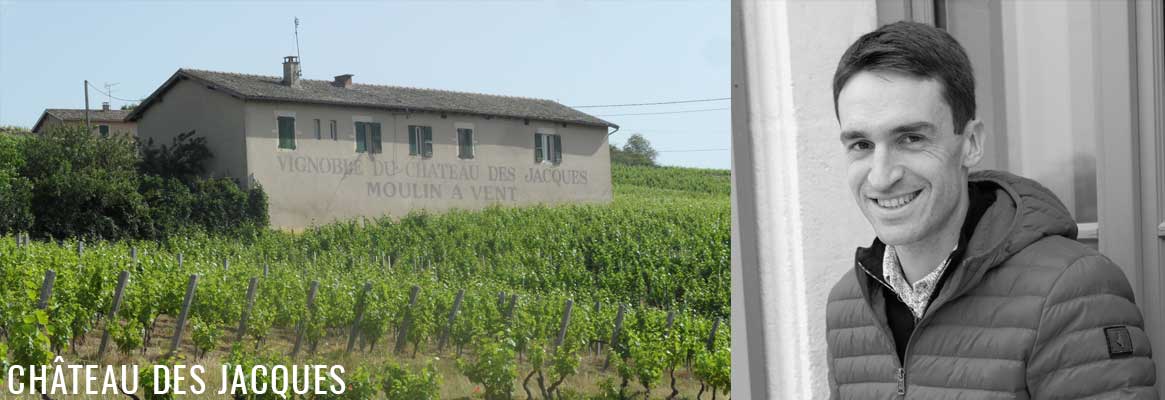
(420, 140)
(547, 148)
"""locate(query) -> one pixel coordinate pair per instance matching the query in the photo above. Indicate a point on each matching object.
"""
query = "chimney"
(343, 81)
(291, 71)
(105, 106)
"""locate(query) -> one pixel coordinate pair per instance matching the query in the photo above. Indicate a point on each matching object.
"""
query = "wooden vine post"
(615, 333)
(302, 326)
(403, 330)
(111, 318)
(564, 324)
(251, 286)
(452, 317)
(510, 309)
(46, 289)
(360, 305)
(181, 324)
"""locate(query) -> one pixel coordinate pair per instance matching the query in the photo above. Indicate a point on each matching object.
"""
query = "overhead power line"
(664, 112)
(689, 151)
(112, 96)
(655, 103)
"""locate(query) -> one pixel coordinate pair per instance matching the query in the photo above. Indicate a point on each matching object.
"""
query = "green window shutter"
(557, 148)
(361, 138)
(375, 148)
(427, 140)
(537, 147)
(104, 130)
(286, 132)
(413, 145)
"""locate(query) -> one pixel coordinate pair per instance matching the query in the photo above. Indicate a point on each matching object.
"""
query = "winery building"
(332, 150)
(103, 122)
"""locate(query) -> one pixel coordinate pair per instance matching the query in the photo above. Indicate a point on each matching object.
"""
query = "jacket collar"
(1023, 212)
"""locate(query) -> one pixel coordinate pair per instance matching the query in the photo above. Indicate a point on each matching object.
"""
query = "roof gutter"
(613, 132)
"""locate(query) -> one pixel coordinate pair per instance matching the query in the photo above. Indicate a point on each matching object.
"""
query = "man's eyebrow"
(914, 127)
(920, 126)
(852, 135)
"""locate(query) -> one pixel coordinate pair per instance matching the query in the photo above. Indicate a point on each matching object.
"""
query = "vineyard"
(627, 300)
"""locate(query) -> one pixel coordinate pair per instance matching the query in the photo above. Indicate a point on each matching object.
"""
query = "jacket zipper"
(901, 373)
(918, 323)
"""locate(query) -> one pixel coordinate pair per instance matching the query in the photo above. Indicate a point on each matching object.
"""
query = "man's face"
(907, 168)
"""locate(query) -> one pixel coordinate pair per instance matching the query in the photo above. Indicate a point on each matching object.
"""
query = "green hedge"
(66, 182)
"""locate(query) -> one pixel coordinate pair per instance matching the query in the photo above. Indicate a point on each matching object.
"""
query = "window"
(465, 143)
(368, 137)
(287, 132)
(333, 130)
(421, 141)
(104, 129)
(318, 134)
(547, 147)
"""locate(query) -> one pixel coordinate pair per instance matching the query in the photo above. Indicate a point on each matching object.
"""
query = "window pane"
(104, 130)
(465, 141)
(557, 148)
(1053, 118)
(360, 138)
(318, 134)
(375, 137)
(333, 129)
(413, 136)
(286, 132)
(427, 139)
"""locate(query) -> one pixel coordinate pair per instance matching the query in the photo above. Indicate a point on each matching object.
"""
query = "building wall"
(322, 180)
(115, 128)
(211, 114)
(795, 221)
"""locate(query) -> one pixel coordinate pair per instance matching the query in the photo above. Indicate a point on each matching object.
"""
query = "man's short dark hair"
(916, 49)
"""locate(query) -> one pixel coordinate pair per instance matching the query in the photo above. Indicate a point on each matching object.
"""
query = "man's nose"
(884, 172)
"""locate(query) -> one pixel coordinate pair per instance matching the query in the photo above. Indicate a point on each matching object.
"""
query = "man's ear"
(973, 138)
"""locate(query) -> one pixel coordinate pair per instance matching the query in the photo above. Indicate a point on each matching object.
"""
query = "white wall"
(214, 115)
(503, 170)
(795, 223)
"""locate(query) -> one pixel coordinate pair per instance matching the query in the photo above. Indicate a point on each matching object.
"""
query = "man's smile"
(895, 202)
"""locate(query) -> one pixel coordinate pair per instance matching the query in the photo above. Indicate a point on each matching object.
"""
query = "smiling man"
(974, 287)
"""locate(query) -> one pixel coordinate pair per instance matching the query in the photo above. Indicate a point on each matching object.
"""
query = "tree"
(637, 151)
(185, 159)
(638, 145)
(129, 107)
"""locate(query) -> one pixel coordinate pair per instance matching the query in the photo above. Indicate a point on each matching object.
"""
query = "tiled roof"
(94, 115)
(271, 88)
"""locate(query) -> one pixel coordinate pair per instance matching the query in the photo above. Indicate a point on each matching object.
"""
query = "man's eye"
(912, 138)
(861, 146)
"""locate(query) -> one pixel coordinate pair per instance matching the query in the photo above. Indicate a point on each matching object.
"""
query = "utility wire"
(689, 151)
(664, 112)
(110, 95)
(655, 103)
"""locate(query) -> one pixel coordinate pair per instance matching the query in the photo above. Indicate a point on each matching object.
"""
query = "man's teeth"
(897, 201)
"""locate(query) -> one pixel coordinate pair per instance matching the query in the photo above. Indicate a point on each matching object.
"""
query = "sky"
(576, 52)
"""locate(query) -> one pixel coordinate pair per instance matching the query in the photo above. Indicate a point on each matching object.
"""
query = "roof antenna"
(109, 90)
(299, 73)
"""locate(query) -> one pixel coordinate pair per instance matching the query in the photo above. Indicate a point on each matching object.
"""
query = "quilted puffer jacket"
(1028, 314)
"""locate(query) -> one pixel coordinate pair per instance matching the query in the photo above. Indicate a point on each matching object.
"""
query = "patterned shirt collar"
(916, 296)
